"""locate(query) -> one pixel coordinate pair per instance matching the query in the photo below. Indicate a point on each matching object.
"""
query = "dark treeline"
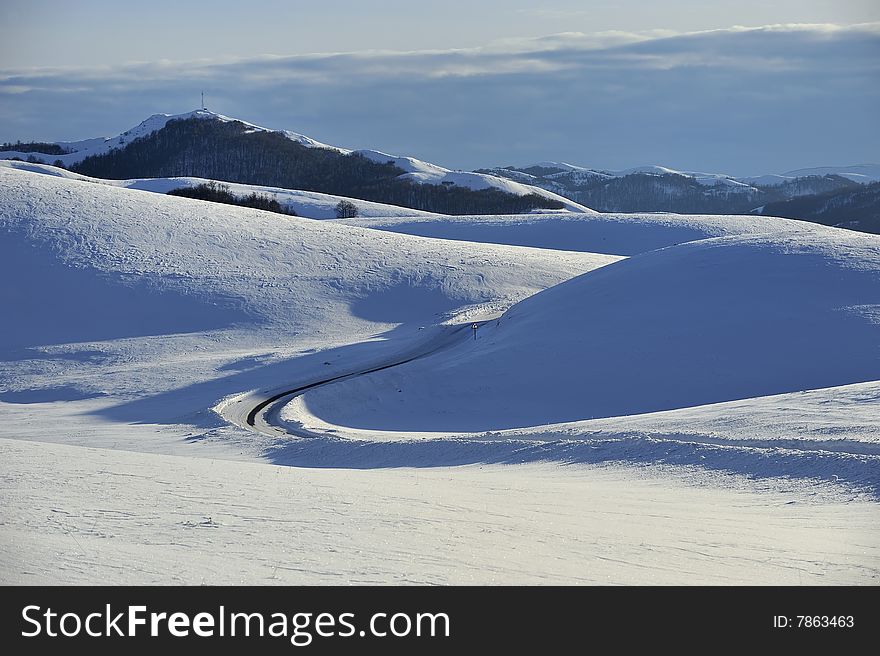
(676, 193)
(661, 193)
(455, 200)
(856, 209)
(228, 151)
(220, 193)
(33, 147)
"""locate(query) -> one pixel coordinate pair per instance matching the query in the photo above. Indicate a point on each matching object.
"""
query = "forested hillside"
(229, 151)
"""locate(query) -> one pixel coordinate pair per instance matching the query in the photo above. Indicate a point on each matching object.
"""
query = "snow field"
(132, 316)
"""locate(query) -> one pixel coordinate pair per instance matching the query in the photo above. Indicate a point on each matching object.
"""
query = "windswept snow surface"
(135, 320)
(99, 516)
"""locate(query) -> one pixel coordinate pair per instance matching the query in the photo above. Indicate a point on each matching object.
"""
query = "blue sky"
(468, 84)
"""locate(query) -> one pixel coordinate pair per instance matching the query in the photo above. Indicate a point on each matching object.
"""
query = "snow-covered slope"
(308, 204)
(423, 172)
(619, 234)
(261, 266)
(698, 323)
(415, 170)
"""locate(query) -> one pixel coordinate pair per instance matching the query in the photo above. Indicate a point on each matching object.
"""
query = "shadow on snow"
(856, 471)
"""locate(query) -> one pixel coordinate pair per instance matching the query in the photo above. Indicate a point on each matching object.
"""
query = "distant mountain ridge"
(658, 188)
(861, 173)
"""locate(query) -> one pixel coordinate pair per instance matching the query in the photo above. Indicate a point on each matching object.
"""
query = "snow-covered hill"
(699, 323)
(423, 172)
(414, 169)
(79, 150)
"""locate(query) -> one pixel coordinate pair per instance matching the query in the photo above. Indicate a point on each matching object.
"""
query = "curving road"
(258, 411)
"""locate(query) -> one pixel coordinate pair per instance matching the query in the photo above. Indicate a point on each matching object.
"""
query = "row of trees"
(217, 192)
(33, 147)
(221, 193)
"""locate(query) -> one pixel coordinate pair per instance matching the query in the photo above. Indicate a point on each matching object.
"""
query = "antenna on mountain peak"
(203, 100)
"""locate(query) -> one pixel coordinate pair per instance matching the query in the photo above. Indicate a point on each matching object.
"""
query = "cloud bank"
(740, 100)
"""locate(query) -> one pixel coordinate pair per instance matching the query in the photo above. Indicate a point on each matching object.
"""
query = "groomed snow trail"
(259, 410)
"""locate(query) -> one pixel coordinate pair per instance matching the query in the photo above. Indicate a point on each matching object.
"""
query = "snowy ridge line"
(860, 173)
